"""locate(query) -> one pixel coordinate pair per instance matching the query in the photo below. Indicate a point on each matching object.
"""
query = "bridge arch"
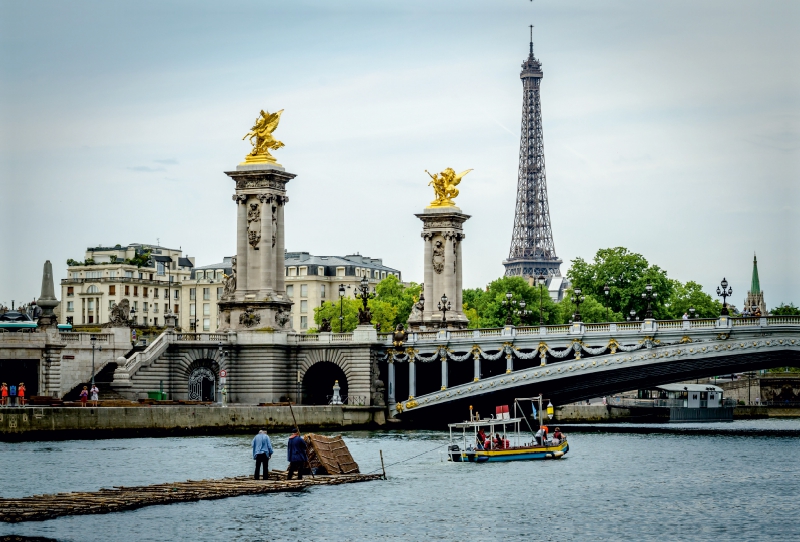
(318, 370)
(202, 380)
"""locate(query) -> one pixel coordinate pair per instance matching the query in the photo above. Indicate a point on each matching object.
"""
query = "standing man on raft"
(262, 451)
(296, 452)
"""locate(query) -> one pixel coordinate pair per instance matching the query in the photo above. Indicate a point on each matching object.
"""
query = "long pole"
(341, 313)
(310, 470)
(92, 365)
(383, 468)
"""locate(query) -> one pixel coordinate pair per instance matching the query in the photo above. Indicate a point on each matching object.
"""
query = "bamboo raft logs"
(42, 507)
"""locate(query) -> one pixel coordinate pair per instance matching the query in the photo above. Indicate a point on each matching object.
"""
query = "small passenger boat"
(468, 448)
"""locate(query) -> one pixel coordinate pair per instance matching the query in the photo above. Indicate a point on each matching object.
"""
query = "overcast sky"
(671, 128)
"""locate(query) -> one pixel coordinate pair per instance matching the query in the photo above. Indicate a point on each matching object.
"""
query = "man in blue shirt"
(296, 452)
(262, 451)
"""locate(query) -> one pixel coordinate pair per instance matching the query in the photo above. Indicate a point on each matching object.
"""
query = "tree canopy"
(785, 310)
(383, 313)
(484, 308)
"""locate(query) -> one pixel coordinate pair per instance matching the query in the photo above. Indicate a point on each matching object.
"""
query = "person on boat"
(480, 439)
(262, 451)
(557, 434)
(296, 455)
(538, 436)
(498, 441)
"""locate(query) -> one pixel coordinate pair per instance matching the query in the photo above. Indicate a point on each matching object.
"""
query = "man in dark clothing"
(296, 452)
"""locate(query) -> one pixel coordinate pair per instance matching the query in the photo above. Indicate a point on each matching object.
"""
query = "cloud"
(145, 169)
(166, 161)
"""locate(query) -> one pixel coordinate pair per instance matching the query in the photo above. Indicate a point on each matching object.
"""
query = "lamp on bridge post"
(649, 295)
(522, 312)
(541, 280)
(632, 315)
(444, 306)
(691, 313)
(724, 294)
(607, 292)
(578, 299)
(509, 305)
(341, 307)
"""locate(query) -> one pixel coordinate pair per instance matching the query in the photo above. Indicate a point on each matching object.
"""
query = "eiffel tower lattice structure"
(533, 252)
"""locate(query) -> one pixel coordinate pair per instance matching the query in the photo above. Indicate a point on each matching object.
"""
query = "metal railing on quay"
(350, 400)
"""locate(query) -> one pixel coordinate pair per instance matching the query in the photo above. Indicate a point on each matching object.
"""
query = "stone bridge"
(437, 375)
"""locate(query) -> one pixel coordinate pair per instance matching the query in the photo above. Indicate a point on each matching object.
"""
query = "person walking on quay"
(3, 394)
(84, 396)
(12, 394)
(95, 391)
(296, 452)
(21, 393)
(262, 451)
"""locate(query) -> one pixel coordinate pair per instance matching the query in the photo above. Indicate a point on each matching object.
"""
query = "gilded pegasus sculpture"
(262, 129)
(444, 186)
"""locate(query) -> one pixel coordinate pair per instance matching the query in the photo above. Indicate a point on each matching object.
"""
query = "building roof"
(304, 258)
(225, 265)
(755, 287)
(689, 387)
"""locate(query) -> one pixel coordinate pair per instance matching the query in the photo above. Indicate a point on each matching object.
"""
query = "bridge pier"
(390, 394)
(509, 362)
(412, 379)
(477, 365)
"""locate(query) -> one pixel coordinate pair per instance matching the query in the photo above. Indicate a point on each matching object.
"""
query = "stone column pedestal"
(258, 301)
(442, 232)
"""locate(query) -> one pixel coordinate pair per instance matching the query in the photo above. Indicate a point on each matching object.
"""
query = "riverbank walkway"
(118, 499)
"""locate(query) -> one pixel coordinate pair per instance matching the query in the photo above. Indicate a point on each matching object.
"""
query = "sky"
(671, 128)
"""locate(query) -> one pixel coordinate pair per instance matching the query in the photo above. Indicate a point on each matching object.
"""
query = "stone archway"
(318, 381)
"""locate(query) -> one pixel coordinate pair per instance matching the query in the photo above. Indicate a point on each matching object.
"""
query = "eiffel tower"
(533, 252)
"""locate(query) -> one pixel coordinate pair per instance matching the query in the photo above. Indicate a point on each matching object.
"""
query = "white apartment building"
(150, 277)
(203, 290)
(312, 280)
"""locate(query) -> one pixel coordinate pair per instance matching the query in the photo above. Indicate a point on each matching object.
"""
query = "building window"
(166, 308)
(206, 324)
(144, 306)
(340, 271)
(75, 275)
(192, 309)
(136, 305)
(303, 271)
(176, 309)
(111, 304)
(112, 290)
(166, 293)
(304, 306)
(70, 291)
(141, 276)
(151, 276)
(206, 309)
(155, 320)
(304, 290)
(144, 291)
(321, 271)
(160, 268)
(383, 274)
(112, 274)
(91, 305)
(128, 274)
(136, 290)
(127, 290)
(304, 322)
(219, 293)
(94, 274)
(177, 296)
(206, 294)
(70, 306)
(92, 289)
(290, 291)
(201, 275)
(192, 293)
(91, 319)
(292, 271)
(322, 291)
(155, 293)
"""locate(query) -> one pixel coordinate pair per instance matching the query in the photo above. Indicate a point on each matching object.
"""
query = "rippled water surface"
(609, 487)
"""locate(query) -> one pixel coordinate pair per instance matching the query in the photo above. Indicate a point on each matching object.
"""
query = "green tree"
(591, 309)
(391, 291)
(626, 274)
(382, 312)
(489, 308)
(686, 296)
(785, 310)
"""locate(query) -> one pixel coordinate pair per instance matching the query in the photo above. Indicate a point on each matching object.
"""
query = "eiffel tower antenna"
(532, 252)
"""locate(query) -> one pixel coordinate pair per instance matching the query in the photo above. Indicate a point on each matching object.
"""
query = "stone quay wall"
(64, 423)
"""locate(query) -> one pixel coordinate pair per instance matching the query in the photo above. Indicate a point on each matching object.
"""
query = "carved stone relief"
(438, 256)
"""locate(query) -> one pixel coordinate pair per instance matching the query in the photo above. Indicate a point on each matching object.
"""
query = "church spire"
(755, 287)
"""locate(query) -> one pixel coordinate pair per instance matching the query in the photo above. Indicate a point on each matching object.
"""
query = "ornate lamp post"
(649, 295)
(632, 315)
(364, 315)
(578, 299)
(541, 280)
(341, 308)
(522, 312)
(133, 316)
(724, 294)
(509, 305)
(691, 313)
(444, 306)
(607, 292)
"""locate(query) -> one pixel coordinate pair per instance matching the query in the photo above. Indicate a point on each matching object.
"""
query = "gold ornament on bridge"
(444, 186)
(262, 129)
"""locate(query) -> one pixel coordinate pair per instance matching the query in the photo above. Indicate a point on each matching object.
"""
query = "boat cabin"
(684, 395)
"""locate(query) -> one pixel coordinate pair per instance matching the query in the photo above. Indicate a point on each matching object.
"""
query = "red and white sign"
(223, 373)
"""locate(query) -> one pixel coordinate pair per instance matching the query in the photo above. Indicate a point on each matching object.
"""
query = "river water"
(610, 486)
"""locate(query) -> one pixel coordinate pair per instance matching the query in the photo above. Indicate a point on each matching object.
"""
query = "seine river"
(611, 486)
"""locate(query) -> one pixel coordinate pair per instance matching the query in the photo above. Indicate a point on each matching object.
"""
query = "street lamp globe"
(649, 287)
(444, 299)
(542, 279)
(341, 290)
(632, 313)
(509, 295)
(724, 283)
(522, 304)
(606, 290)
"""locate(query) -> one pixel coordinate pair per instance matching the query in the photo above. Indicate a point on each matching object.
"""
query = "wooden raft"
(330, 454)
(42, 507)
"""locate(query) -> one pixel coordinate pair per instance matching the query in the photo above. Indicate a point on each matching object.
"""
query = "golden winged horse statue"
(262, 129)
(444, 186)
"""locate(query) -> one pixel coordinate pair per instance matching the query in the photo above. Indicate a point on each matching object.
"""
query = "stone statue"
(364, 316)
(444, 186)
(119, 314)
(325, 326)
(230, 280)
(438, 256)
(262, 129)
(418, 307)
